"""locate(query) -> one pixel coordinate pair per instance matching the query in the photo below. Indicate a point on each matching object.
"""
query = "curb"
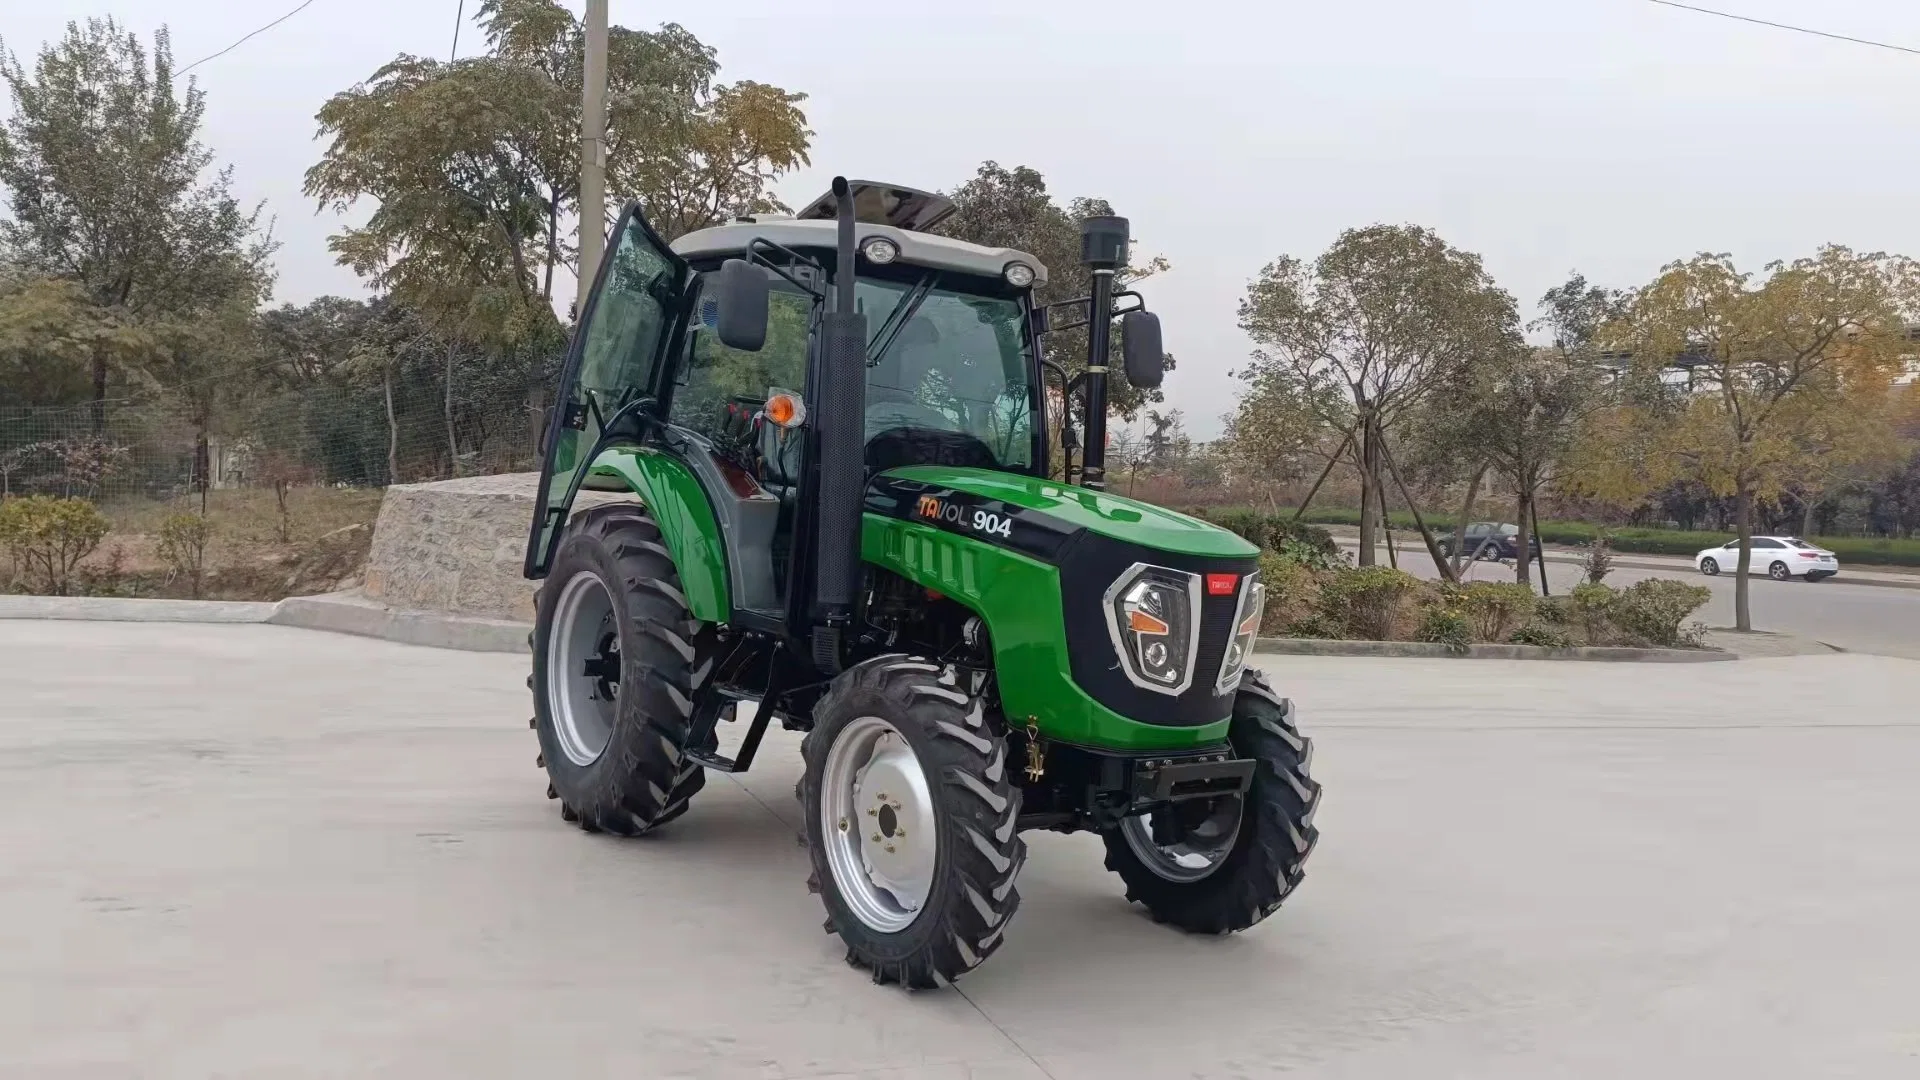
(354, 613)
(1322, 647)
(118, 609)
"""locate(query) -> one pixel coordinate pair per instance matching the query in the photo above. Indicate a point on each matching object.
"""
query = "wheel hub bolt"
(876, 839)
(889, 847)
(843, 824)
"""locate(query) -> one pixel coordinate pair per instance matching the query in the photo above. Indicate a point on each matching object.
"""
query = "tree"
(474, 165)
(1366, 333)
(108, 184)
(1783, 373)
(1002, 207)
(310, 343)
(1523, 410)
(51, 334)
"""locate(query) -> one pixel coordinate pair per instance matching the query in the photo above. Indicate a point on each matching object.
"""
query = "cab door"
(613, 364)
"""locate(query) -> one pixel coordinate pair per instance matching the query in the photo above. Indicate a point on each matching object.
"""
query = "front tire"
(1261, 862)
(911, 819)
(617, 658)
(1710, 567)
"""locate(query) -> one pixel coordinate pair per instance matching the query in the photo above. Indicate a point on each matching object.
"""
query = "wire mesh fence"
(163, 450)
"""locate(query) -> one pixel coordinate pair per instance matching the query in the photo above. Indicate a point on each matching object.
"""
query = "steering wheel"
(885, 415)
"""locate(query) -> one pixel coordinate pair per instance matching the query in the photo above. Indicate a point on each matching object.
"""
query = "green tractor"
(833, 435)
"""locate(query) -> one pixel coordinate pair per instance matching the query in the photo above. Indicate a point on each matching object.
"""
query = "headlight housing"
(1246, 626)
(1153, 615)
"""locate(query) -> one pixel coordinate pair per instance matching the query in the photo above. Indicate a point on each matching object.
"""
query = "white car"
(1781, 558)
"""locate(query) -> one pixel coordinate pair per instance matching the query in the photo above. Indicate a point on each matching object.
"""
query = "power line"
(1785, 26)
(459, 16)
(249, 37)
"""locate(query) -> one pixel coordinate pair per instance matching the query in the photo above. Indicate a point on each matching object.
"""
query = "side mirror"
(1140, 344)
(740, 292)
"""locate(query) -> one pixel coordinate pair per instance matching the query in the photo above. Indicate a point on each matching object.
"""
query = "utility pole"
(593, 153)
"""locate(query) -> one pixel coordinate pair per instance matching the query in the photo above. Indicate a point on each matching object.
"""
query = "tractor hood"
(1043, 505)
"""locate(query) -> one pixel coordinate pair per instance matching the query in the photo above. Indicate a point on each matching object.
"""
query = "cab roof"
(917, 248)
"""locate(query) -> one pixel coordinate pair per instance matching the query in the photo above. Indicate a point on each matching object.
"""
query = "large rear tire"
(1224, 872)
(617, 657)
(911, 821)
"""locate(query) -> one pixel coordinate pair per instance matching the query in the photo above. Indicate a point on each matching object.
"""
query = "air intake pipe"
(839, 430)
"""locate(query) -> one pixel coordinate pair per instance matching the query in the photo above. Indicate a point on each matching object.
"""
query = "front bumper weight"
(1178, 781)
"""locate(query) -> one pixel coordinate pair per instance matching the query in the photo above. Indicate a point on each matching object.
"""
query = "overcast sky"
(1611, 136)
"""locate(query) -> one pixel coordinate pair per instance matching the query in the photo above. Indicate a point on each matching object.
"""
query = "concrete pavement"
(266, 852)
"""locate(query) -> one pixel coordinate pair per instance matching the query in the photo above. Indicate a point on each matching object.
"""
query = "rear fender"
(680, 507)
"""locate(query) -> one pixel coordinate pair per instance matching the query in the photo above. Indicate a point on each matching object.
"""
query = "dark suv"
(1490, 540)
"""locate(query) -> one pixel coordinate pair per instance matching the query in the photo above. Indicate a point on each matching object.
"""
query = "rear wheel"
(1710, 566)
(1779, 571)
(1222, 865)
(910, 815)
(617, 657)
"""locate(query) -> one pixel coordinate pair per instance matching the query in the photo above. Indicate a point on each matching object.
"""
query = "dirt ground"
(254, 552)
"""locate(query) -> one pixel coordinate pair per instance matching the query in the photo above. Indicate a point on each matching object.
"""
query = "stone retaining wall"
(458, 545)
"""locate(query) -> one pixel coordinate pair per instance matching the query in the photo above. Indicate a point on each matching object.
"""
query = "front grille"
(1216, 630)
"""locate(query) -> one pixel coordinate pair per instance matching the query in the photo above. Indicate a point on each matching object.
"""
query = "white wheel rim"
(1196, 856)
(583, 668)
(877, 824)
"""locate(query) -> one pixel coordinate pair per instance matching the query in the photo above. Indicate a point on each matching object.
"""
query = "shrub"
(1593, 610)
(1316, 625)
(1596, 557)
(1547, 637)
(1367, 603)
(47, 538)
(1655, 610)
(1497, 607)
(1293, 593)
(1554, 610)
(1308, 545)
(183, 544)
(1445, 626)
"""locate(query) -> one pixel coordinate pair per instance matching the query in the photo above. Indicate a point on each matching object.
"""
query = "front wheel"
(1710, 567)
(911, 819)
(617, 658)
(1221, 865)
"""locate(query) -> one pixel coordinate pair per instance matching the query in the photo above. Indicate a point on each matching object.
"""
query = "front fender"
(679, 505)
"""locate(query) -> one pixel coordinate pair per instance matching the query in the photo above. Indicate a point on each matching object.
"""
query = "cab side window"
(711, 374)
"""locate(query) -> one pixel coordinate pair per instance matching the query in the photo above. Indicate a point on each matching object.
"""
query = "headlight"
(1019, 275)
(1152, 614)
(1246, 625)
(880, 250)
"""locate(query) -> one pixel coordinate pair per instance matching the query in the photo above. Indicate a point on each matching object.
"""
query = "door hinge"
(574, 415)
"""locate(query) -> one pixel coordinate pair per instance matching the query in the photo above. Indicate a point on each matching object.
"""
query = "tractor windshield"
(948, 373)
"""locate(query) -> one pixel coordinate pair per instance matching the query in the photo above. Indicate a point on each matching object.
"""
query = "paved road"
(266, 852)
(1861, 618)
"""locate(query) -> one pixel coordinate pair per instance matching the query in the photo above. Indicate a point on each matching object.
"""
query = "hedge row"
(1861, 550)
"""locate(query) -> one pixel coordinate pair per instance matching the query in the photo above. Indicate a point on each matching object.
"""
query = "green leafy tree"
(1011, 207)
(473, 166)
(51, 334)
(1784, 372)
(1365, 334)
(110, 189)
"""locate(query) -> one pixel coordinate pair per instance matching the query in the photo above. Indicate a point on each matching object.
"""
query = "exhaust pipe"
(1103, 248)
(839, 431)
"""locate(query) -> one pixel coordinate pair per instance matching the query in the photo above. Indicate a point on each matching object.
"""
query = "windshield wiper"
(903, 311)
